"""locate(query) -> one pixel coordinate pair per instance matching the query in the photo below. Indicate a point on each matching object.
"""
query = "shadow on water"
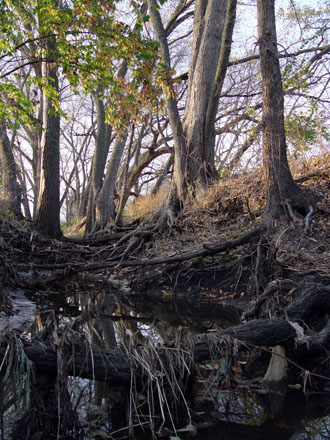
(248, 416)
(235, 408)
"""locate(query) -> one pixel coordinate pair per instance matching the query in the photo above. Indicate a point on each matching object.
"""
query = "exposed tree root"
(313, 301)
(273, 287)
(259, 258)
(291, 206)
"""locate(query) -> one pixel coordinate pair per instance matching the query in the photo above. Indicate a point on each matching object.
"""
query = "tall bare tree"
(283, 193)
(48, 207)
(102, 144)
(194, 136)
(9, 172)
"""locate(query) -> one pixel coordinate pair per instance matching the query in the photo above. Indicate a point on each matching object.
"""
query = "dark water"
(270, 416)
(240, 410)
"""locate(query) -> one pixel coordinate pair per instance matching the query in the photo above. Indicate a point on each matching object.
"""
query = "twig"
(258, 263)
(290, 211)
(308, 218)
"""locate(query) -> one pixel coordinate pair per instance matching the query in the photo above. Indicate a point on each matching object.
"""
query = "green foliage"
(90, 45)
(15, 106)
(309, 15)
(302, 131)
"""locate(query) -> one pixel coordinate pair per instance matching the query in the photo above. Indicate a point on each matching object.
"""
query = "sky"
(246, 26)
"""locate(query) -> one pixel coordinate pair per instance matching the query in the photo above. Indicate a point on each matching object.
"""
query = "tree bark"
(105, 203)
(220, 74)
(100, 205)
(213, 29)
(208, 28)
(313, 301)
(48, 207)
(103, 137)
(115, 367)
(193, 147)
(179, 189)
(281, 188)
(9, 172)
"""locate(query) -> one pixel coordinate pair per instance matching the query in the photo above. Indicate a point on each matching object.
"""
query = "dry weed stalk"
(17, 375)
(164, 371)
(160, 378)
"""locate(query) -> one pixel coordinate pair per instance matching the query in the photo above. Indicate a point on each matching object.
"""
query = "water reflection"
(21, 314)
(244, 414)
(240, 410)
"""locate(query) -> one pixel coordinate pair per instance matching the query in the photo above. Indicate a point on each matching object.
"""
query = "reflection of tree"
(245, 415)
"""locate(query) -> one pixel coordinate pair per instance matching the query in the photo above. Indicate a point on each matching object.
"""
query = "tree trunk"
(34, 134)
(9, 182)
(282, 190)
(33, 137)
(105, 203)
(114, 365)
(24, 192)
(193, 147)
(220, 75)
(125, 188)
(213, 28)
(48, 208)
(163, 175)
(103, 137)
(179, 189)
(100, 206)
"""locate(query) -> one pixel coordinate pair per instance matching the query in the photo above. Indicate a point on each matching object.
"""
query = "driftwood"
(314, 300)
(114, 366)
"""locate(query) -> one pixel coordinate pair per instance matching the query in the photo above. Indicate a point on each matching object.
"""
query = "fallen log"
(114, 366)
(313, 300)
(83, 361)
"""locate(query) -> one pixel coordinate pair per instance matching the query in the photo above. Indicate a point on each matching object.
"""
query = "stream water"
(239, 410)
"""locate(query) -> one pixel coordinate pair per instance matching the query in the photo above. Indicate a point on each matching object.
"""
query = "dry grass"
(144, 206)
(234, 204)
(74, 229)
(4, 206)
(238, 195)
(165, 371)
(245, 194)
(318, 164)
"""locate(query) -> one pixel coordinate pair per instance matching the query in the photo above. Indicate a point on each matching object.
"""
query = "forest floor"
(174, 260)
(198, 275)
(187, 260)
